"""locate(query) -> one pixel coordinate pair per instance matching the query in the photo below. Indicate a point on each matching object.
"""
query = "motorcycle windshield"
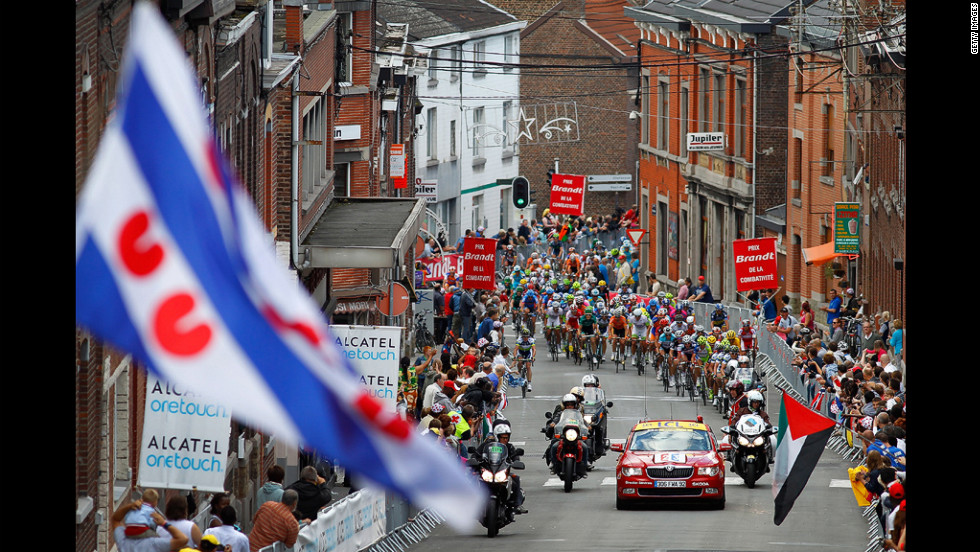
(495, 454)
(750, 425)
(570, 417)
(594, 397)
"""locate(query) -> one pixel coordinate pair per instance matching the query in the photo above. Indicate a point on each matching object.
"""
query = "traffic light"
(522, 192)
(551, 172)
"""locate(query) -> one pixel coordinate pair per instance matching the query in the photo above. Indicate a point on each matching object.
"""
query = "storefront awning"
(364, 233)
(820, 254)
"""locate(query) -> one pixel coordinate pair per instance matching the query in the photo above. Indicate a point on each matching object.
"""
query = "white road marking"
(553, 482)
(608, 481)
(840, 483)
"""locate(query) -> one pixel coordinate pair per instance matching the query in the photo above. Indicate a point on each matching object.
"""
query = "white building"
(465, 144)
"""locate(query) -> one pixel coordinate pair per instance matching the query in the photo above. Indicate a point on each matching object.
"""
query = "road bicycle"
(554, 344)
(639, 357)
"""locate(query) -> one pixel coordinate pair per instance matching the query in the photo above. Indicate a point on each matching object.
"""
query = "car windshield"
(671, 439)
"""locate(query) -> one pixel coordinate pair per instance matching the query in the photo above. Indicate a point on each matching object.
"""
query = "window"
(314, 155)
(797, 180)
(433, 66)
(506, 115)
(645, 111)
(829, 154)
(510, 50)
(456, 63)
(685, 125)
(478, 131)
(704, 99)
(345, 50)
(452, 138)
(476, 214)
(718, 117)
(663, 116)
(741, 109)
(431, 144)
(479, 56)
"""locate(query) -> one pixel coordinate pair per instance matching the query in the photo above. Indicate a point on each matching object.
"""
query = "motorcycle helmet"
(578, 393)
(502, 429)
(743, 359)
(588, 380)
(736, 386)
(754, 398)
(569, 400)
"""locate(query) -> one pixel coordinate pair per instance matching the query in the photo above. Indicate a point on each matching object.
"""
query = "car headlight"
(571, 434)
(500, 477)
(588, 419)
(710, 471)
(743, 441)
(758, 441)
(487, 476)
(631, 472)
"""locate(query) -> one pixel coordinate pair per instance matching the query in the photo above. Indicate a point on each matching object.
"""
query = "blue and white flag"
(173, 266)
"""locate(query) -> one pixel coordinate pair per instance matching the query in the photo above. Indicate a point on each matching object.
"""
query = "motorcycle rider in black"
(757, 405)
(569, 401)
(501, 433)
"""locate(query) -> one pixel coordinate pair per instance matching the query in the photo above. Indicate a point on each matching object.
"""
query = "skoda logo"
(669, 468)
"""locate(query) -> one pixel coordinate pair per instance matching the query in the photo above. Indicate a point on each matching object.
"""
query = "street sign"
(610, 187)
(399, 300)
(610, 178)
(567, 194)
(636, 235)
(426, 189)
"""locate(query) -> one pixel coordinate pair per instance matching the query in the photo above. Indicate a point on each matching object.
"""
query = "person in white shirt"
(229, 535)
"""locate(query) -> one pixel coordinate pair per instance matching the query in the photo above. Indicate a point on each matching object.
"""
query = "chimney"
(294, 25)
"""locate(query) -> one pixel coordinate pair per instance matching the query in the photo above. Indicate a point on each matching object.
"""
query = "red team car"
(670, 460)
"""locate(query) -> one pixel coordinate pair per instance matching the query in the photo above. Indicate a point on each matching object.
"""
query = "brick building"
(704, 69)
(586, 52)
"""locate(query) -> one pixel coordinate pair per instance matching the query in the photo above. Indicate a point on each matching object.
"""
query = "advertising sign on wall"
(354, 523)
(439, 266)
(185, 439)
(755, 264)
(567, 194)
(847, 217)
(374, 352)
(479, 263)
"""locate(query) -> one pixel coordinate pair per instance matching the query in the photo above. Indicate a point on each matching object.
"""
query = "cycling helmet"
(502, 429)
(679, 334)
(669, 296)
(637, 312)
(730, 335)
(686, 339)
(510, 247)
(662, 295)
(595, 293)
(718, 306)
(756, 397)
(662, 312)
(842, 346)
(590, 380)
(711, 339)
(698, 328)
(746, 323)
(593, 279)
(589, 310)
(525, 331)
(602, 283)
(576, 285)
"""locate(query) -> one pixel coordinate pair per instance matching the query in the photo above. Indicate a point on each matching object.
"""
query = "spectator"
(702, 293)
(133, 526)
(768, 306)
(898, 335)
(218, 501)
(868, 336)
(833, 307)
(177, 514)
(807, 317)
(271, 489)
(524, 230)
(438, 381)
(274, 522)
(228, 533)
(209, 543)
(314, 493)
(836, 331)
(466, 305)
(438, 313)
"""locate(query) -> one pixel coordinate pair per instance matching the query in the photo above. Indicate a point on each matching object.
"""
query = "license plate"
(669, 484)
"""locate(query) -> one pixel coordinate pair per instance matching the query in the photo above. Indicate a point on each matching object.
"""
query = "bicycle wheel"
(704, 389)
(524, 376)
(690, 386)
(679, 384)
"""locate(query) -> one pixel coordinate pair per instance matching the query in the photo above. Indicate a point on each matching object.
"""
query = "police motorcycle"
(596, 418)
(568, 451)
(738, 371)
(493, 467)
(751, 447)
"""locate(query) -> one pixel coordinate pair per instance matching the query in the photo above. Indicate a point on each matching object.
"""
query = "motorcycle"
(596, 420)
(569, 451)
(751, 447)
(493, 467)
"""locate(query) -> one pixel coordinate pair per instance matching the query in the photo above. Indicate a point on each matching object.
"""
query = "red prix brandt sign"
(755, 264)
(567, 194)
(479, 262)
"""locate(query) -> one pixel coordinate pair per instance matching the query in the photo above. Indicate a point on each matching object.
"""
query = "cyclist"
(746, 337)
(687, 352)
(617, 325)
(524, 351)
(510, 257)
(603, 319)
(529, 306)
(640, 325)
(553, 315)
(588, 326)
(719, 317)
